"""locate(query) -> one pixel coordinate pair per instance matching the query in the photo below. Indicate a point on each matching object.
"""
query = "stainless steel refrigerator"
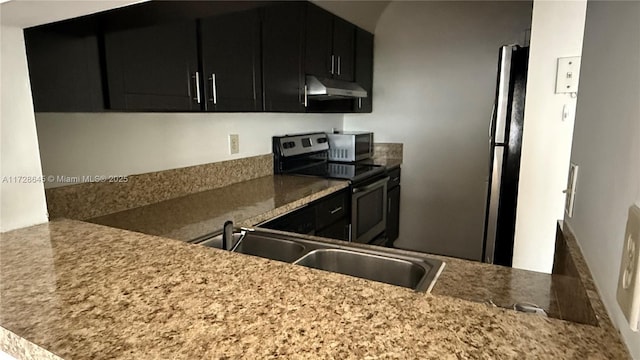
(505, 136)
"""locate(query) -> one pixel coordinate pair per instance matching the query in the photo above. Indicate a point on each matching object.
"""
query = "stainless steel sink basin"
(271, 248)
(262, 246)
(417, 274)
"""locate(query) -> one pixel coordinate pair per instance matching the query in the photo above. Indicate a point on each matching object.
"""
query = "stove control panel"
(292, 145)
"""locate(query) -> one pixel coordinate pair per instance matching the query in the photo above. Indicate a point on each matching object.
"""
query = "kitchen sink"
(386, 269)
(271, 248)
(414, 272)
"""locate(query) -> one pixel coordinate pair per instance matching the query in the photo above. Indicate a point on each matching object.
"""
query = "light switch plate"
(568, 75)
(571, 189)
(628, 294)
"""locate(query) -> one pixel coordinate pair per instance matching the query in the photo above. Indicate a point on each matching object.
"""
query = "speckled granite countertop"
(85, 291)
(246, 203)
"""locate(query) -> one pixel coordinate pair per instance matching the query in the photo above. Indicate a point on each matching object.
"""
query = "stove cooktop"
(353, 172)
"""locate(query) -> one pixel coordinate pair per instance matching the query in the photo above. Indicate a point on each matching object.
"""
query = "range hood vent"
(332, 89)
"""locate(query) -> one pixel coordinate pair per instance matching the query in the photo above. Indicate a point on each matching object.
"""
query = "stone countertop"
(246, 203)
(81, 290)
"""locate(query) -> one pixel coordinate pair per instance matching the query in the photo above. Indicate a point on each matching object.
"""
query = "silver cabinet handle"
(333, 61)
(336, 210)
(196, 78)
(214, 89)
(339, 63)
(306, 96)
(359, 103)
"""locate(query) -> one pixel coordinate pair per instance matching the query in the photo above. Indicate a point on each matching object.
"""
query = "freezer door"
(494, 202)
(502, 101)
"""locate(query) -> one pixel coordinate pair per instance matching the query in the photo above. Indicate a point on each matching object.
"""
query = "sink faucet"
(227, 235)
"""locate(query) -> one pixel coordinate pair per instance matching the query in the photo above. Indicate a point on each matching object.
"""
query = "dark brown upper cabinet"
(330, 48)
(232, 75)
(64, 68)
(282, 57)
(364, 69)
(163, 56)
(154, 68)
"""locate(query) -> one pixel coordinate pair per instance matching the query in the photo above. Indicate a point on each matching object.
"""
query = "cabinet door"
(154, 68)
(231, 62)
(338, 230)
(64, 69)
(301, 221)
(393, 214)
(344, 48)
(282, 44)
(319, 39)
(364, 69)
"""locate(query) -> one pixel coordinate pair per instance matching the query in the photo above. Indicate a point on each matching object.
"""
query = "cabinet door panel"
(153, 68)
(339, 230)
(318, 46)
(282, 43)
(343, 46)
(364, 69)
(231, 53)
(64, 69)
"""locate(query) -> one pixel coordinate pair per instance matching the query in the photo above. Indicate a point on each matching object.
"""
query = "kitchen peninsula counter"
(86, 291)
(246, 203)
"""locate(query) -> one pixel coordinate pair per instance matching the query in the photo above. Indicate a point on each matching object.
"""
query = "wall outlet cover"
(628, 294)
(234, 143)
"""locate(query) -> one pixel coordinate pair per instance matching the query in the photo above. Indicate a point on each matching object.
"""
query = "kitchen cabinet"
(282, 56)
(301, 221)
(330, 45)
(195, 56)
(64, 68)
(327, 217)
(364, 70)
(154, 68)
(231, 68)
(393, 206)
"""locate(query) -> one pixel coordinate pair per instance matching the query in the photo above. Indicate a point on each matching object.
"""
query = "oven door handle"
(370, 186)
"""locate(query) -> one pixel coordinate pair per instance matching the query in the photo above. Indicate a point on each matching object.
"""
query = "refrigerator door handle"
(494, 202)
(503, 94)
(493, 113)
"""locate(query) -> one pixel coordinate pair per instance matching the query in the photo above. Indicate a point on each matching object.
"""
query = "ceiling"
(27, 13)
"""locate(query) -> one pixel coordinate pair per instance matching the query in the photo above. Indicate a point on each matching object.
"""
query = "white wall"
(606, 145)
(556, 31)
(21, 204)
(435, 67)
(77, 144)
(363, 13)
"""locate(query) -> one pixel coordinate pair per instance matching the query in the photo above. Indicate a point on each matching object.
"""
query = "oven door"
(368, 210)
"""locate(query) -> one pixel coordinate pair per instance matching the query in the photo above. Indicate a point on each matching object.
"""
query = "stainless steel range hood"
(331, 89)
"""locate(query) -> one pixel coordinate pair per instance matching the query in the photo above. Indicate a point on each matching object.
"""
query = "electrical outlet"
(234, 143)
(628, 293)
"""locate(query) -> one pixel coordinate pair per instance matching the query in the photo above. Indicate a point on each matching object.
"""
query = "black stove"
(353, 172)
(307, 154)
